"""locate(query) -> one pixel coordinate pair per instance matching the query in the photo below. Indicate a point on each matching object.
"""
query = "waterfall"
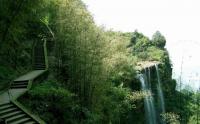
(160, 91)
(149, 75)
(148, 101)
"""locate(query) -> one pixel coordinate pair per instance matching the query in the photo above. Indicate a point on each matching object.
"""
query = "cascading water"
(149, 79)
(160, 91)
(148, 101)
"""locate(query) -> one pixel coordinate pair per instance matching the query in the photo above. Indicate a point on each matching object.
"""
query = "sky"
(177, 20)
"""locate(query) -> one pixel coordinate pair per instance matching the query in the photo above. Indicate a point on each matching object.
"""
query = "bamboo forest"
(59, 66)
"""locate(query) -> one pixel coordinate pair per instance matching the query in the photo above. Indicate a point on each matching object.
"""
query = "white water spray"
(160, 91)
(148, 101)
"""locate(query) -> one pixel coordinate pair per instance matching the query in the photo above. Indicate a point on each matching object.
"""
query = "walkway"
(12, 111)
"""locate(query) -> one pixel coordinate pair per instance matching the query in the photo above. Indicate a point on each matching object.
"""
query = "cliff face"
(158, 79)
(161, 85)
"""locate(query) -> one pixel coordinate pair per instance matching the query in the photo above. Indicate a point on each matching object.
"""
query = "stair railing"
(33, 52)
(45, 54)
(9, 93)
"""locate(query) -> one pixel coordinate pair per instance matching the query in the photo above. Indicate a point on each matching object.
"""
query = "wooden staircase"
(13, 112)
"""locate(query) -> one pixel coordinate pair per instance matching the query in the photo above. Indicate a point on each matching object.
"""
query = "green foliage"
(142, 44)
(6, 75)
(194, 106)
(16, 33)
(145, 49)
(118, 103)
(135, 36)
(171, 118)
(159, 40)
(50, 100)
(155, 54)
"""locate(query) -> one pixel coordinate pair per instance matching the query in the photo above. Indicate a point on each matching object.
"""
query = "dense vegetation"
(92, 71)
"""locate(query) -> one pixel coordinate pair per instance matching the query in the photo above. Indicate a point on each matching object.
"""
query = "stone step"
(18, 86)
(41, 49)
(15, 118)
(13, 115)
(1, 105)
(7, 111)
(6, 107)
(20, 82)
(39, 53)
(39, 60)
(9, 115)
(21, 121)
(39, 45)
(31, 122)
(39, 56)
(40, 64)
(39, 68)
